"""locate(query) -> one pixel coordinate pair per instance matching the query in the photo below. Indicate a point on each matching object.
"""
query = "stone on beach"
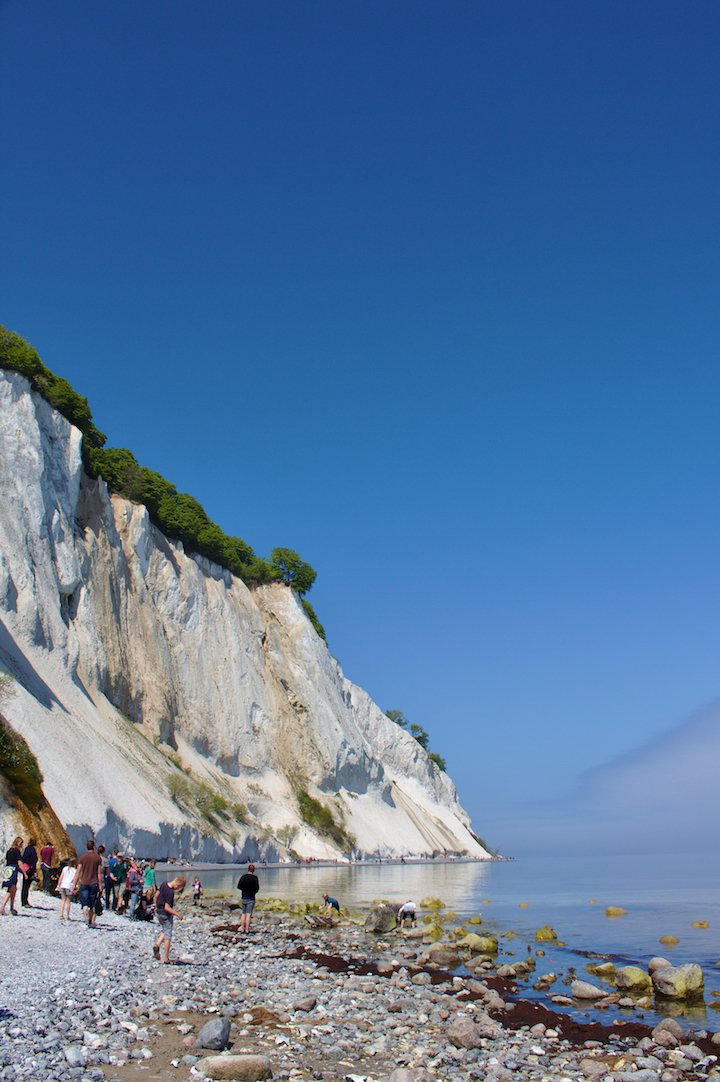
(479, 944)
(669, 940)
(545, 934)
(214, 1035)
(441, 954)
(679, 982)
(633, 979)
(657, 963)
(615, 911)
(240, 1068)
(381, 918)
(585, 990)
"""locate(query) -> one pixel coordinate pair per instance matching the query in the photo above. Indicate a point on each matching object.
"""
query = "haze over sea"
(662, 896)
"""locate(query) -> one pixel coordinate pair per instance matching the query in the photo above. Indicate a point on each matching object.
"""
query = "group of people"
(128, 886)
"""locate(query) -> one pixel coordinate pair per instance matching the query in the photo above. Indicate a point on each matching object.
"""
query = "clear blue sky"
(428, 292)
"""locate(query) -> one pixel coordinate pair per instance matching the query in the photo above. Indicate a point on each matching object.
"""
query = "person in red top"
(47, 855)
(89, 877)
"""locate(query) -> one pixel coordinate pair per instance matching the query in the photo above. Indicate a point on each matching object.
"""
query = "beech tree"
(295, 572)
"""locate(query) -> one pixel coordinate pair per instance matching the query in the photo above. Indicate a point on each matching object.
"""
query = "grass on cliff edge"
(18, 765)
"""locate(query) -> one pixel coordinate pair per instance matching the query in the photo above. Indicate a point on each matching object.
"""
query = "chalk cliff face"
(150, 683)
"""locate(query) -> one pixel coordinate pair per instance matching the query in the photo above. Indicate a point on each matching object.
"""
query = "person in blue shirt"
(330, 904)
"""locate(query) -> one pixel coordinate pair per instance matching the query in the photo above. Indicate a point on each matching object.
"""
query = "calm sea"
(662, 896)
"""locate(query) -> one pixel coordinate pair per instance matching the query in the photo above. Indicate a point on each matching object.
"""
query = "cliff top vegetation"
(178, 515)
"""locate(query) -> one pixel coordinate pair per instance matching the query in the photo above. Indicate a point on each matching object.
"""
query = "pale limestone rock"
(239, 1068)
(125, 649)
(585, 990)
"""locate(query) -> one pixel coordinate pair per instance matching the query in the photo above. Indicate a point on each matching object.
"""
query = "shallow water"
(663, 896)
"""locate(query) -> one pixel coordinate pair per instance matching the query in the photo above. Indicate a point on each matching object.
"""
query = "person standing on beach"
(165, 914)
(47, 855)
(10, 877)
(90, 880)
(149, 885)
(30, 860)
(248, 886)
(66, 887)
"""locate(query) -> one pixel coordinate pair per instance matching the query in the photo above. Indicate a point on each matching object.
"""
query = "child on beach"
(165, 914)
(197, 891)
(66, 887)
(330, 904)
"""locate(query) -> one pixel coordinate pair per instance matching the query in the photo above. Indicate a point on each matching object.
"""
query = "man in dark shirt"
(47, 854)
(164, 902)
(248, 886)
(89, 876)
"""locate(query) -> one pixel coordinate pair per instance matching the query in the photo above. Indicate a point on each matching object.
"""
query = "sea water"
(663, 895)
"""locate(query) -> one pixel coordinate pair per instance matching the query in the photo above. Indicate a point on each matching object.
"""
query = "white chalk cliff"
(141, 671)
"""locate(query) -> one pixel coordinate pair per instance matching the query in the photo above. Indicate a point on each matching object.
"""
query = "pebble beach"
(290, 1001)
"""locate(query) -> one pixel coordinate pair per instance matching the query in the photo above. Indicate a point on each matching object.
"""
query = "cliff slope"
(172, 709)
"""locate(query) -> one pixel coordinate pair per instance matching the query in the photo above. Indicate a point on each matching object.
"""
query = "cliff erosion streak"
(172, 709)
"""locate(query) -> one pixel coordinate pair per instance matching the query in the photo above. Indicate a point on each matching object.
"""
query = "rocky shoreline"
(330, 1003)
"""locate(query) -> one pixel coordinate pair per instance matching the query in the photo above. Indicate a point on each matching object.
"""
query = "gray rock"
(76, 1056)
(679, 982)
(305, 1004)
(381, 918)
(464, 1033)
(669, 1025)
(215, 1035)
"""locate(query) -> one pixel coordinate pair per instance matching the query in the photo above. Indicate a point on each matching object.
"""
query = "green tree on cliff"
(295, 572)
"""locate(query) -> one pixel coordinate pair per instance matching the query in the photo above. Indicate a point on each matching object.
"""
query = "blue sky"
(427, 292)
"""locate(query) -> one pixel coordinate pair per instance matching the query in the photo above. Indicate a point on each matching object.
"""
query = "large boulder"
(381, 918)
(679, 982)
(479, 944)
(242, 1068)
(215, 1035)
(441, 954)
(632, 979)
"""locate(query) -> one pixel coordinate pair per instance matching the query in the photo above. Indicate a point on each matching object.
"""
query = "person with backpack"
(123, 896)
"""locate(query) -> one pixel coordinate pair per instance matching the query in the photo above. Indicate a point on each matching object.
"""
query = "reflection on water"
(661, 896)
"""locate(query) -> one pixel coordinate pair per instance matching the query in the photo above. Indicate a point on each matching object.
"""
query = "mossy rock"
(450, 915)
(433, 933)
(615, 911)
(632, 979)
(432, 903)
(479, 944)
(593, 901)
(458, 933)
(605, 969)
(669, 940)
(546, 934)
(512, 934)
(523, 905)
(700, 924)
(486, 901)
(474, 920)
